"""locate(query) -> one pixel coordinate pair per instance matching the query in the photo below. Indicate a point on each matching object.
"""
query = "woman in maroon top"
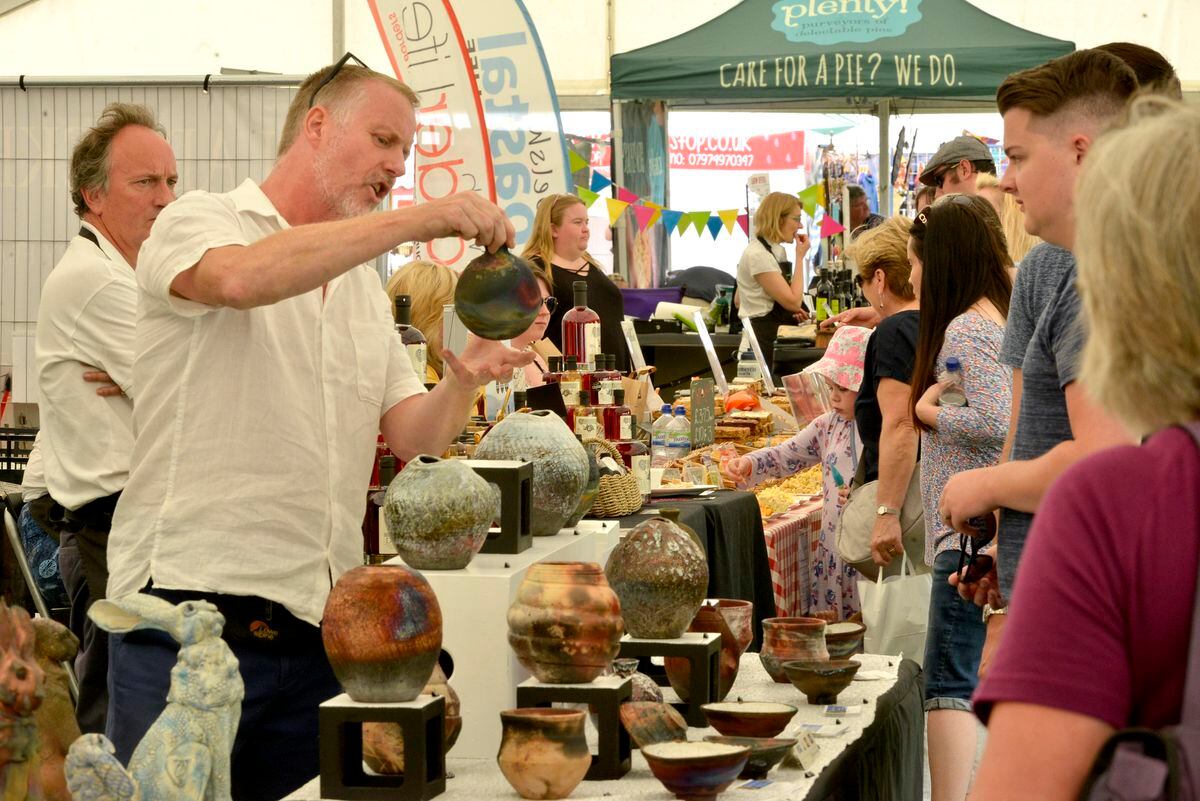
(1102, 609)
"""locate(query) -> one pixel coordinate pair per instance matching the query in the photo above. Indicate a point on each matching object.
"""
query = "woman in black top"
(882, 411)
(558, 245)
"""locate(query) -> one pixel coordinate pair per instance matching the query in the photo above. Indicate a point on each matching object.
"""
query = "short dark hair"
(984, 165)
(1093, 81)
(1154, 73)
(856, 192)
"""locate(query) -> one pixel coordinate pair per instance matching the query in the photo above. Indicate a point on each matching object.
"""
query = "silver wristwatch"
(887, 510)
(989, 610)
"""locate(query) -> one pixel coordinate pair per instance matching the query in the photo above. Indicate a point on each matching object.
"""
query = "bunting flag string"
(647, 213)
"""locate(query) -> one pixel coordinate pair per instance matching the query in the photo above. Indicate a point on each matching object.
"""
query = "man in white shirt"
(122, 175)
(266, 364)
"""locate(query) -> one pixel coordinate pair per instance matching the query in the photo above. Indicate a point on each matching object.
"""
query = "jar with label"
(618, 420)
(570, 382)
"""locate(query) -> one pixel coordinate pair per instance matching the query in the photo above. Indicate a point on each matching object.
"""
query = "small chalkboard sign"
(704, 422)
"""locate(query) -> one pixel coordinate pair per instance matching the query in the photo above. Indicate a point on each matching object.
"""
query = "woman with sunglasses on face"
(960, 271)
(763, 295)
(531, 374)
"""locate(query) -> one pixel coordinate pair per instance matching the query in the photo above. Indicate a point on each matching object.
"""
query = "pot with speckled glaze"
(660, 574)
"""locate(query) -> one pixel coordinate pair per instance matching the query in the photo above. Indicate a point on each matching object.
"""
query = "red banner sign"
(781, 151)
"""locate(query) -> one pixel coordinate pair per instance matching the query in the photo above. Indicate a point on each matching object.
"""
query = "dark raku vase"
(787, 639)
(497, 295)
(543, 752)
(382, 630)
(679, 670)
(660, 574)
(565, 624)
(560, 466)
(438, 513)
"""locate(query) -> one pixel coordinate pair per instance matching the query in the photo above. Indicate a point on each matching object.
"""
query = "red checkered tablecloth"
(790, 538)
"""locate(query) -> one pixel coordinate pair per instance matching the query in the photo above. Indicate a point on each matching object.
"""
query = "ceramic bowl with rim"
(765, 752)
(749, 718)
(697, 771)
(821, 681)
(652, 722)
(844, 639)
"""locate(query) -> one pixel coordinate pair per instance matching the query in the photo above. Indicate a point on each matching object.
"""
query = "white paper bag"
(896, 612)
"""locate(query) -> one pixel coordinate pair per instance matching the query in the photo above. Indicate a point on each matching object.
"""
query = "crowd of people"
(182, 344)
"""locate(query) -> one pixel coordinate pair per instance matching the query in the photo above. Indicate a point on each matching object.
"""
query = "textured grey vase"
(438, 513)
(590, 490)
(560, 466)
(660, 576)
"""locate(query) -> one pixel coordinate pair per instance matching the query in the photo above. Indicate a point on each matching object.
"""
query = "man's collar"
(106, 247)
(248, 196)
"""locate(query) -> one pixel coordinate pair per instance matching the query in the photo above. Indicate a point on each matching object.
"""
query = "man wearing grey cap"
(955, 164)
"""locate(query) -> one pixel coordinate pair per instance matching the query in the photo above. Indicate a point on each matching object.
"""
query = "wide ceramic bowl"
(696, 770)
(821, 681)
(652, 722)
(749, 718)
(765, 752)
(844, 639)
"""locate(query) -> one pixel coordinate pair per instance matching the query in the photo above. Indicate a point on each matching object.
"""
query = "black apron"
(766, 326)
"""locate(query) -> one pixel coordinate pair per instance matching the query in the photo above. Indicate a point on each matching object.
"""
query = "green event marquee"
(797, 50)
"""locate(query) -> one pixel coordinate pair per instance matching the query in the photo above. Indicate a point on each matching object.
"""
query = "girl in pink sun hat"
(832, 441)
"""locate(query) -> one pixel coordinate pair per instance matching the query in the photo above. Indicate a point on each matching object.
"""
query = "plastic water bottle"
(660, 450)
(680, 434)
(954, 394)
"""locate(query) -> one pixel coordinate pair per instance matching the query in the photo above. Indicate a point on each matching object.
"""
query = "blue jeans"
(275, 750)
(41, 551)
(953, 643)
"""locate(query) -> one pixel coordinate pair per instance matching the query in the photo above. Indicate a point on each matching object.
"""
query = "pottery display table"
(875, 754)
(790, 539)
(474, 602)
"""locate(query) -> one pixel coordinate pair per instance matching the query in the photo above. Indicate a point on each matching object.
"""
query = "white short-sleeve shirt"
(256, 429)
(85, 321)
(753, 300)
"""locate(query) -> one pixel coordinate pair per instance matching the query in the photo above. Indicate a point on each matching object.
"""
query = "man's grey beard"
(343, 206)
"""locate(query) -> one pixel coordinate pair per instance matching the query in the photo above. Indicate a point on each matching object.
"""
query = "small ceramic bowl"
(821, 681)
(749, 719)
(651, 722)
(844, 639)
(696, 770)
(765, 752)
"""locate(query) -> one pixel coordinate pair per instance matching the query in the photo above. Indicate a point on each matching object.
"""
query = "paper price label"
(808, 751)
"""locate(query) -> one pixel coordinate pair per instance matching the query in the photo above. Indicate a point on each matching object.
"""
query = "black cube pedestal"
(603, 696)
(515, 480)
(423, 723)
(702, 650)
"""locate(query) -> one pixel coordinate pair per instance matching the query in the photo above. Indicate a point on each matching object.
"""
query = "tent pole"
(884, 184)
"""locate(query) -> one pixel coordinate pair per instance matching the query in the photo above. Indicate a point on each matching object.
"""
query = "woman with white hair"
(1097, 639)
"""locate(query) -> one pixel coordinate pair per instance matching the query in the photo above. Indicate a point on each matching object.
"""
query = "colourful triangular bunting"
(810, 198)
(626, 195)
(699, 220)
(615, 209)
(714, 225)
(657, 211)
(744, 221)
(586, 195)
(599, 182)
(670, 219)
(643, 215)
(578, 162)
(728, 218)
(830, 226)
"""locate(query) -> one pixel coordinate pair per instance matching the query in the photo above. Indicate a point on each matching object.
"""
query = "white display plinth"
(475, 603)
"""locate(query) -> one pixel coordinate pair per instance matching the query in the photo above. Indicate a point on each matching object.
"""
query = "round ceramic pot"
(565, 624)
(791, 639)
(644, 688)
(660, 574)
(679, 670)
(560, 467)
(438, 513)
(590, 490)
(383, 743)
(543, 753)
(382, 630)
(739, 615)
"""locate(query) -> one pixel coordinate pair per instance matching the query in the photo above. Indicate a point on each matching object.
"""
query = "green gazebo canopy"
(779, 50)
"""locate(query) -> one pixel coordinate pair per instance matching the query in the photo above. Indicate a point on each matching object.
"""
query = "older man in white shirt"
(266, 364)
(122, 175)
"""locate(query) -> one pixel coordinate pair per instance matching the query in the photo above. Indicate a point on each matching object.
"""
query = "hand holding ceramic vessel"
(470, 216)
(485, 360)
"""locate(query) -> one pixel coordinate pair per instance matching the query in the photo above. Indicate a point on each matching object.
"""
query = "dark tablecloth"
(887, 762)
(730, 526)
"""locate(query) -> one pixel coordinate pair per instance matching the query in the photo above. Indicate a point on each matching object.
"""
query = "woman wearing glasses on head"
(765, 295)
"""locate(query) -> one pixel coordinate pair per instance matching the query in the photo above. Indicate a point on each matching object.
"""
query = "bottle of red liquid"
(590, 379)
(618, 420)
(581, 329)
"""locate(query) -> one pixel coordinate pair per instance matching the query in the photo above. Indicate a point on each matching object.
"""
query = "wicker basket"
(618, 495)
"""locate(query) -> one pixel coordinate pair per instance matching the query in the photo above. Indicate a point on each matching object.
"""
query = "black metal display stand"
(423, 724)
(702, 650)
(604, 697)
(515, 480)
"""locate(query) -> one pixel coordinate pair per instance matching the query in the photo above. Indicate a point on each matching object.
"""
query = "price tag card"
(757, 784)
(824, 729)
(840, 711)
(873, 675)
(808, 751)
(711, 352)
(635, 348)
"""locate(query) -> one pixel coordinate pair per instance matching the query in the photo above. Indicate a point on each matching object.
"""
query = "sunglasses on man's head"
(333, 73)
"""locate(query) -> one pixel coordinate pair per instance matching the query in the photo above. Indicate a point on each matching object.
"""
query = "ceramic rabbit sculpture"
(185, 754)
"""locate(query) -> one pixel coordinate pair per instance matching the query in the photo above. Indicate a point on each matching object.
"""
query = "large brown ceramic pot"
(791, 639)
(560, 467)
(383, 743)
(438, 513)
(679, 670)
(565, 624)
(543, 753)
(660, 574)
(382, 630)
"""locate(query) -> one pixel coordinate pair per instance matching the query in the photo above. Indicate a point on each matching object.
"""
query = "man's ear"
(315, 124)
(94, 199)
(1080, 144)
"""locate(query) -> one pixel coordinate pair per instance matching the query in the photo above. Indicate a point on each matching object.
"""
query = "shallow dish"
(749, 719)
(696, 770)
(765, 752)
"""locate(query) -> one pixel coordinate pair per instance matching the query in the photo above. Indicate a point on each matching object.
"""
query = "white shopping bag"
(896, 612)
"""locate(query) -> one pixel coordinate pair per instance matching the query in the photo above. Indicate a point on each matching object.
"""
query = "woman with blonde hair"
(765, 296)
(431, 286)
(1012, 218)
(558, 246)
(1099, 626)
